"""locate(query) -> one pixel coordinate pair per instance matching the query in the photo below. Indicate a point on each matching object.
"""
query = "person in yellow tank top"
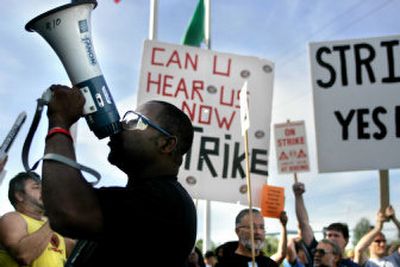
(26, 238)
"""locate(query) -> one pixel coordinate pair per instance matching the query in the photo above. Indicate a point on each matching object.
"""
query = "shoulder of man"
(11, 217)
(371, 263)
(232, 260)
(12, 228)
(263, 260)
(347, 263)
(394, 256)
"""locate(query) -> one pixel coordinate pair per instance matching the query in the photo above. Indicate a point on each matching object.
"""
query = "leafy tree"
(199, 244)
(361, 228)
(271, 245)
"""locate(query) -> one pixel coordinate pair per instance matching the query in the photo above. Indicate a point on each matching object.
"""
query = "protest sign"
(291, 147)
(206, 85)
(272, 201)
(357, 112)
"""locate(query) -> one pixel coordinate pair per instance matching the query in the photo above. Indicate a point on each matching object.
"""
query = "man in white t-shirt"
(375, 242)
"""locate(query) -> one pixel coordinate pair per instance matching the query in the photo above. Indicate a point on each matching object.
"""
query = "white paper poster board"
(206, 85)
(291, 147)
(356, 91)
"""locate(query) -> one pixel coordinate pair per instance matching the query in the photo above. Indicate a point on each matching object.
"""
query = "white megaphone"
(68, 31)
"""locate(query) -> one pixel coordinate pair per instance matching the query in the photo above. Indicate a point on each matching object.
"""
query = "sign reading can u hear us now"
(206, 85)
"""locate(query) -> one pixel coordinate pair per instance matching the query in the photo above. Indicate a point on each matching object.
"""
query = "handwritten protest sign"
(356, 103)
(206, 86)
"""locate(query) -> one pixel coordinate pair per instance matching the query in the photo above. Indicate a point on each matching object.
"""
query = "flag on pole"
(195, 35)
(244, 109)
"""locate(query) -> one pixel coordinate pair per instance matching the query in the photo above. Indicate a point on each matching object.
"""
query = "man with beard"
(123, 224)
(241, 255)
(327, 254)
(26, 238)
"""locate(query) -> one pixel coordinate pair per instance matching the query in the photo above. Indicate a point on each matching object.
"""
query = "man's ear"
(19, 196)
(168, 144)
(237, 231)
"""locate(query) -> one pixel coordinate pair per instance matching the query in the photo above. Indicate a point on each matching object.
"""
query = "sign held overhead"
(291, 147)
(357, 112)
(206, 85)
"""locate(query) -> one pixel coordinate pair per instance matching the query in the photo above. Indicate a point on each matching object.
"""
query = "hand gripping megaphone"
(67, 29)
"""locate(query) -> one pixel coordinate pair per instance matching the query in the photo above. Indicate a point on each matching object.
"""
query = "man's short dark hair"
(243, 213)
(335, 247)
(176, 122)
(339, 227)
(209, 254)
(17, 184)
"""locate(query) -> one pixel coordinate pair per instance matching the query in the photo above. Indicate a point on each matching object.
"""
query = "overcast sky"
(277, 30)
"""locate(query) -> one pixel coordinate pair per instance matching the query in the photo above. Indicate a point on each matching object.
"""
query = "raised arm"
(70, 201)
(280, 255)
(307, 233)
(360, 249)
(389, 213)
(291, 251)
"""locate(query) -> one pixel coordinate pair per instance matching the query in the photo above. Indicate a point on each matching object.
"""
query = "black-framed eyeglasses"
(321, 251)
(133, 120)
(255, 227)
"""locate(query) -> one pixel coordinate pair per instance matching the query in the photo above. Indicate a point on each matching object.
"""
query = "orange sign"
(272, 201)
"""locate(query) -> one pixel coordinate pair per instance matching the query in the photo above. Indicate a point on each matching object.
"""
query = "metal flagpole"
(207, 22)
(153, 22)
(207, 212)
(207, 224)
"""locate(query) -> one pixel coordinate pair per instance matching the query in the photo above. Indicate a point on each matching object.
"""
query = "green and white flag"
(195, 35)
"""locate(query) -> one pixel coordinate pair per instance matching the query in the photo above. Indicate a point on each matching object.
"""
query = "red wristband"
(57, 130)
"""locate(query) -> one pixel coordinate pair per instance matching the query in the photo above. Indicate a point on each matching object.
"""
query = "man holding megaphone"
(116, 226)
(124, 224)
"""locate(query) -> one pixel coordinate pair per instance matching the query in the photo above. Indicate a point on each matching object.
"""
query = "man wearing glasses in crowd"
(336, 232)
(375, 241)
(124, 224)
(239, 254)
(327, 254)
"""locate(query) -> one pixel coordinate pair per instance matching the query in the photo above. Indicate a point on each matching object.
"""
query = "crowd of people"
(75, 224)
(304, 250)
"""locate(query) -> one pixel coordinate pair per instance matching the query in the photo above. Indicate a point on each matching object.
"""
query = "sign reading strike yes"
(206, 86)
(291, 147)
(356, 86)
